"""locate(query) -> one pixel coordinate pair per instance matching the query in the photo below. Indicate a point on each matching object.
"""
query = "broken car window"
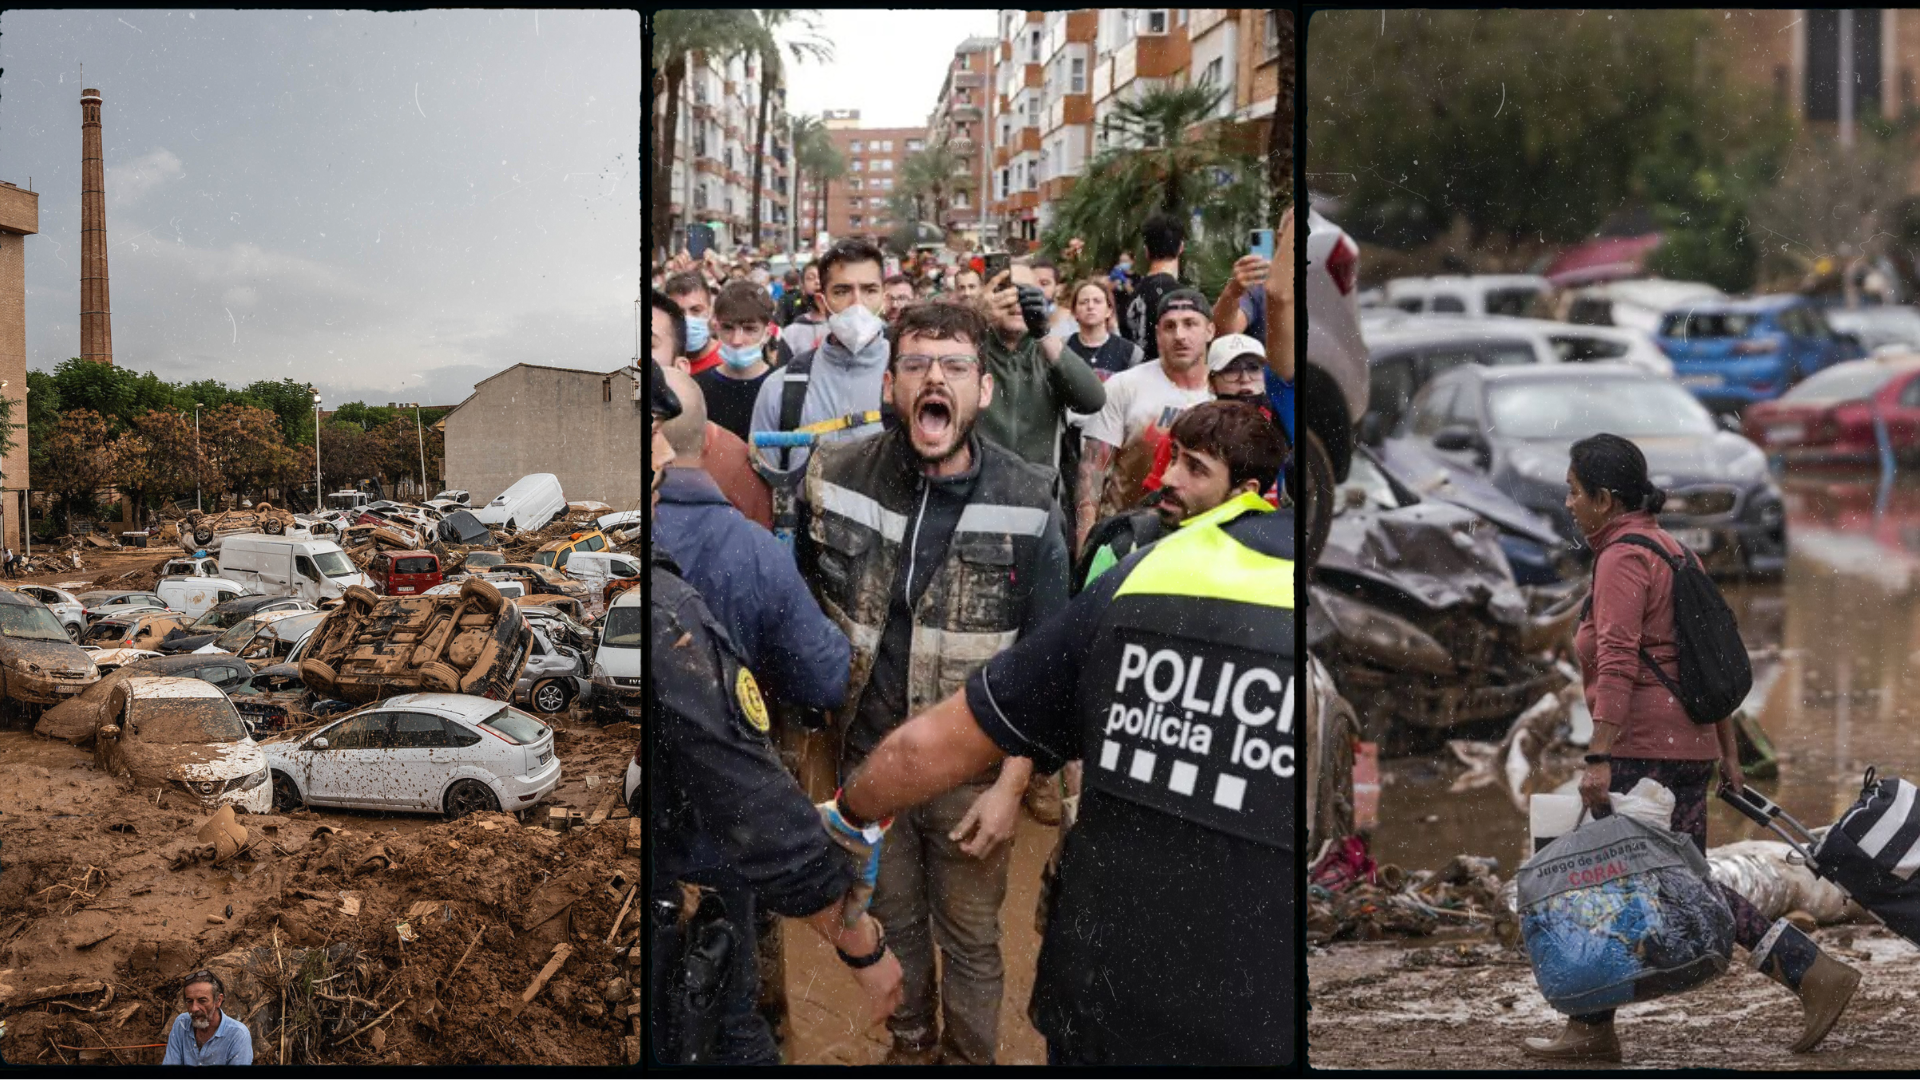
(174, 721)
(30, 623)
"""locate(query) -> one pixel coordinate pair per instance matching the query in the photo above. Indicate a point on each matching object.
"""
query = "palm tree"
(677, 34)
(1280, 136)
(935, 172)
(1162, 156)
(767, 47)
(815, 154)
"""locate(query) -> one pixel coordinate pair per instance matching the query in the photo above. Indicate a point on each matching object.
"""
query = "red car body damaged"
(1828, 419)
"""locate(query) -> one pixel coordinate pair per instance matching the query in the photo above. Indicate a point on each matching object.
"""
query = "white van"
(1467, 294)
(348, 500)
(596, 568)
(313, 570)
(616, 662)
(196, 595)
(532, 502)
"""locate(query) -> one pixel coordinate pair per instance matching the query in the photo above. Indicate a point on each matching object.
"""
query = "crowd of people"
(938, 545)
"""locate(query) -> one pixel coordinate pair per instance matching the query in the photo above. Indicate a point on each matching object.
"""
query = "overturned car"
(261, 518)
(373, 647)
(1416, 614)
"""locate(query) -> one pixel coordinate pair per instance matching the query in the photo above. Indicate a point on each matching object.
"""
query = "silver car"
(66, 607)
(555, 674)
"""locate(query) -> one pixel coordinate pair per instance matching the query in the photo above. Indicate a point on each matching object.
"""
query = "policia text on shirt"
(1170, 938)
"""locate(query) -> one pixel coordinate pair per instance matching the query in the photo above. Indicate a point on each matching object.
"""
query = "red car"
(1829, 417)
(404, 573)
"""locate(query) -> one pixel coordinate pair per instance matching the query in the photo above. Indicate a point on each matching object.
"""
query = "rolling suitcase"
(1872, 853)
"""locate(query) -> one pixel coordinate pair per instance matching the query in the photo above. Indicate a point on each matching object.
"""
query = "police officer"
(729, 829)
(1171, 935)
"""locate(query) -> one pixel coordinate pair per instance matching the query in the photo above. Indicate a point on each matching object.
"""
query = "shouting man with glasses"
(934, 549)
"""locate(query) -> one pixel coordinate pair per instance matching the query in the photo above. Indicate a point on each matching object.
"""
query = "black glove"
(1033, 308)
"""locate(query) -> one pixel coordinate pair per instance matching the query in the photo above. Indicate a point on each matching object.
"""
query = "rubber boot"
(1824, 985)
(1579, 1042)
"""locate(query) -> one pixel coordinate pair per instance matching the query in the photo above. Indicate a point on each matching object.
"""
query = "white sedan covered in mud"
(439, 753)
(184, 735)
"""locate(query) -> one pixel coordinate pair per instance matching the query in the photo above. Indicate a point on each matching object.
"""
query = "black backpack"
(1715, 674)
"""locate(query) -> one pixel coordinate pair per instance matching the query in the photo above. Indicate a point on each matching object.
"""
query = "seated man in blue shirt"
(203, 1035)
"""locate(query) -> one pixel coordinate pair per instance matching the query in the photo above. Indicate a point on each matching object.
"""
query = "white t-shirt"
(1142, 403)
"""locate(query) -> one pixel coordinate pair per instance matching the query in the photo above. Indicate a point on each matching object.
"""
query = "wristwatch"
(872, 958)
(1599, 759)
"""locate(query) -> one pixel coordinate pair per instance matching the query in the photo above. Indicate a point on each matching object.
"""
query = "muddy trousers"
(1688, 780)
(930, 892)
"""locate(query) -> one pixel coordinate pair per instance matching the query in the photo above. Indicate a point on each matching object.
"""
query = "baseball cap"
(1230, 347)
(661, 400)
(1184, 300)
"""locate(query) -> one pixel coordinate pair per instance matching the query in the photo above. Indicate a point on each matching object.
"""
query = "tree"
(678, 33)
(104, 389)
(815, 155)
(157, 457)
(767, 48)
(1162, 157)
(244, 449)
(1525, 125)
(291, 403)
(935, 172)
(79, 460)
(1833, 207)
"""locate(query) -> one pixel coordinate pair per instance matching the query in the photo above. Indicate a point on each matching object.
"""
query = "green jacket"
(1029, 396)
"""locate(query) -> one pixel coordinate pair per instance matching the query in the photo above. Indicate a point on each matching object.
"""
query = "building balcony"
(708, 165)
(1024, 200)
(960, 145)
(1025, 140)
(1034, 75)
(1057, 188)
(1157, 57)
(964, 110)
(969, 79)
(1069, 110)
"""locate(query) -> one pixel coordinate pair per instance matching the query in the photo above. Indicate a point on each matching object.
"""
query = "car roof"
(162, 665)
(172, 686)
(1748, 305)
(1552, 372)
(415, 551)
(459, 706)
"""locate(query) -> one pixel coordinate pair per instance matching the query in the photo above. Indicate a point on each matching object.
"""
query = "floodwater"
(1846, 621)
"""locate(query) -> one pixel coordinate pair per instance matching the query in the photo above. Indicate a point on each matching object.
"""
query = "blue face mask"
(697, 336)
(743, 356)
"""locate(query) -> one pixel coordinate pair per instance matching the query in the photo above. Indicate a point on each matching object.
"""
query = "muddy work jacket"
(871, 540)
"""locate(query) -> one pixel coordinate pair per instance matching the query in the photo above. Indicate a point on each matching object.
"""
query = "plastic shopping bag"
(1619, 911)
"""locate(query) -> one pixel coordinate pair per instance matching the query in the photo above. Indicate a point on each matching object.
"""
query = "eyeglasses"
(953, 367)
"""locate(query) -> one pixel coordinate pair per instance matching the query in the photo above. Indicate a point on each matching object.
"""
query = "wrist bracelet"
(846, 813)
(1599, 759)
(872, 958)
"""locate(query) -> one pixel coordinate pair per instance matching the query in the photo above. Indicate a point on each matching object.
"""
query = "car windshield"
(544, 558)
(216, 620)
(30, 623)
(173, 721)
(622, 628)
(1510, 301)
(1563, 411)
(413, 566)
(242, 632)
(1708, 324)
(1848, 382)
(103, 632)
(515, 725)
(334, 563)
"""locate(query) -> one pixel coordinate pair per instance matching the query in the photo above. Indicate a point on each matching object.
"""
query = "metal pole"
(1846, 79)
(420, 431)
(319, 490)
(196, 457)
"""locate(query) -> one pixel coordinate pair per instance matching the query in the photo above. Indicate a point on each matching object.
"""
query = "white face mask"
(856, 327)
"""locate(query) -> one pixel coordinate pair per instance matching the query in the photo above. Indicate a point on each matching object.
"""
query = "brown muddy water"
(1845, 619)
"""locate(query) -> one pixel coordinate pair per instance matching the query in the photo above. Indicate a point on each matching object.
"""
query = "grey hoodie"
(841, 383)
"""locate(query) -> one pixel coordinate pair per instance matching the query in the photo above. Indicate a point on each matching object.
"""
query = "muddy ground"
(88, 895)
(1396, 1005)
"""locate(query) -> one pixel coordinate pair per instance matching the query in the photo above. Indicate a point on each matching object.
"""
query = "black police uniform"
(1170, 939)
(722, 813)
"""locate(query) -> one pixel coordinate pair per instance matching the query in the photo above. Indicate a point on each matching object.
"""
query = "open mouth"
(934, 418)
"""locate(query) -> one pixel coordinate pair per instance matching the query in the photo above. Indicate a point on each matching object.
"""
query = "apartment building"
(857, 205)
(959, 122)
(1018, 107)
(713, 161)
(1066, 100)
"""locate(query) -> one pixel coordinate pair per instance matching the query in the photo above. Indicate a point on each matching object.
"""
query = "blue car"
(1731, 353)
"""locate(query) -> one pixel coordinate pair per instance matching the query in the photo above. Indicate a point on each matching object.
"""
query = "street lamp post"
(420, 431)
(196, 454)
(319, 491)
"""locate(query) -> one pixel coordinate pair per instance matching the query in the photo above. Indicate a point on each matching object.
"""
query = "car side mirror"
(318, 744)
(1458, 437)
(110, 731)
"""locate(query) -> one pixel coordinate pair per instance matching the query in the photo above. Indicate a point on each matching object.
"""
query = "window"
(876, 203)
(854, 147)
(960, 199)
(1078, 80)
(854, 183)
(855, 222)
(368, 732)
(1033, 46)
(1154, 21)
(916, 145)
(1273, 33)
(886, 146)
(418, 731)
(1215, 73)
(884, 165)
(859, 166)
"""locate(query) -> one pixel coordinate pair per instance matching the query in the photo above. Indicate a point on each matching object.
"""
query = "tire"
(202, 536)
(274, 527)
(73, 631)
(1315, 470)
(439, 678)
(482, 594)
(319, 676)
(1333, 755)
(467, 796)
(286, 794)
(359, 599)
(550, 696)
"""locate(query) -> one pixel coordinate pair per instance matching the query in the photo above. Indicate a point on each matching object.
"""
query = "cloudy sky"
(887, 64)
(391, 206)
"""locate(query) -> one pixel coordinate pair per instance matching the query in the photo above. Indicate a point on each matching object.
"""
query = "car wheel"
(440, 678)
(73, 631)
(551, 696)
(319, 676)
(286, 794)
(470, 796)
(360, 599)
(1314, 471)
(274, 528)
(482, 594)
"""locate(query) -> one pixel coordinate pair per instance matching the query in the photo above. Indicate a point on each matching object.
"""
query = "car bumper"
(1731, 546)
(42, 690)
(254, 800)
(521, 792)
(613, 703)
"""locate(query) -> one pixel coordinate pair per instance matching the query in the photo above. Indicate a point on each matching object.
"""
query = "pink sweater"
(1633, 606)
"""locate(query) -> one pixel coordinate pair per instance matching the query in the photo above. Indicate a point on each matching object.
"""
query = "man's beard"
(961, 431)
(202, 1023)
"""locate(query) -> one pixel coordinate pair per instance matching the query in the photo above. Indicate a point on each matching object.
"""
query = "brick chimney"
(96, 329)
